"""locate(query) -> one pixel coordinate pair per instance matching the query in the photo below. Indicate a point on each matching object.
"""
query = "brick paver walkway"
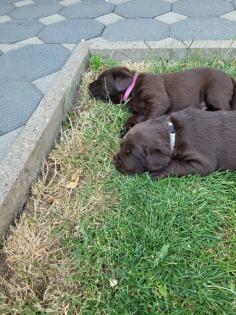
(38, 36)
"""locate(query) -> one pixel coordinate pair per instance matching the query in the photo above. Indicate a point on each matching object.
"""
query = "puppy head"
(146, 147)
(111, 84)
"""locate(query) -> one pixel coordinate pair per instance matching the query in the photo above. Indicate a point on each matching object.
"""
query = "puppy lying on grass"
(150, 95)
(190, 141)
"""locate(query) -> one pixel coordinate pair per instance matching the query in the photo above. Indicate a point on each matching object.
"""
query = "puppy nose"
(116, 160)
(92, 88)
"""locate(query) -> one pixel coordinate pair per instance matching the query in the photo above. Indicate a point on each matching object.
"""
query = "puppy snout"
(92, 89)
(116, 159)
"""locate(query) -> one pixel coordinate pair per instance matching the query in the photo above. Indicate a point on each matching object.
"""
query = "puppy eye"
(128, 151)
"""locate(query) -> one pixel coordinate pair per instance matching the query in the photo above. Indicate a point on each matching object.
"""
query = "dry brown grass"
(36, 267)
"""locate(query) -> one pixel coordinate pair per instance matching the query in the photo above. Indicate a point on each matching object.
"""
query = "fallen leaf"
(74, 183)
(210, 250)
(162, 290)
(50, 199)
(163, 251)
(113, 282)
(221, 62)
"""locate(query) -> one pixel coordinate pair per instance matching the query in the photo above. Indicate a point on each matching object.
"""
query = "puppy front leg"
(184, 168)
(133, 120)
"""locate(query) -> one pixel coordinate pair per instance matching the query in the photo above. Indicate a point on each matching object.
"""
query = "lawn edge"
(20, 168)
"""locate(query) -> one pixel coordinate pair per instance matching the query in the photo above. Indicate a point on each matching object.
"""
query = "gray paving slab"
(18, 100)
(51, 19)
(87, 9)
(41, 1)
(234, 4)
(109, 18)
(36, 10)
(44, 83)
(71, 31)
(4, 18)
(139, 29)
(118, 1)
(231, 16)
(204, 28)
(7, 140)
(195, 8)
(32, 62)
(15, 30)
(6, 8)
(137, 8)
(23, 3)
(8, 1)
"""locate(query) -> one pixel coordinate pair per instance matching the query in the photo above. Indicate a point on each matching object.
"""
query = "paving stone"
(203, 28)
(18, 100)
(51, 19)
(15, 31)
(22, 3)
(109, 18)
(8, 1)
(171, 17)
(40, 1)
(69, 2)
(32, 62)
(7, 140)
(71, 31)
(118, 1)
(29, 41)
(136, 29)
(36, 11)
(136, 8)
(70, 47)
(88, 9)
(171, 1)
(4, 19)
(195, 8)
(5, 8)
(231, 16)
(234, 4)
(44, 83)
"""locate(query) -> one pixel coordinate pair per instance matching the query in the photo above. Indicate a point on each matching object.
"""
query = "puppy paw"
(124, 131)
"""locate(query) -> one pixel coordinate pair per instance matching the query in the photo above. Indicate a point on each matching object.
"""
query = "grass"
(93, 241)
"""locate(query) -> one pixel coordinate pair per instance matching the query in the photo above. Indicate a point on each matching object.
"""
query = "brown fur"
(205, 142)
(156, 95)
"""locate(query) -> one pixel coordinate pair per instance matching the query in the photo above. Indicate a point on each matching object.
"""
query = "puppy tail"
(233, 100)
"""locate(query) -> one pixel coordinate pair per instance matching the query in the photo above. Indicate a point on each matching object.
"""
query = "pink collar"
(130, 88)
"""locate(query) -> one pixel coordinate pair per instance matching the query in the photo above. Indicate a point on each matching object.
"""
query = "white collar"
(172, 136)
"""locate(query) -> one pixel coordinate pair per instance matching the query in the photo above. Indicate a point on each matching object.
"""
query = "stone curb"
(170, 46)
(21, 166)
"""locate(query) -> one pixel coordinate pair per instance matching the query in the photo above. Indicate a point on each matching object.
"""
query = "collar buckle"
(172, 133)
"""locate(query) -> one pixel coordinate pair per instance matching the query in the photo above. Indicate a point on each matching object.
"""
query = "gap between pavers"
(20, 168)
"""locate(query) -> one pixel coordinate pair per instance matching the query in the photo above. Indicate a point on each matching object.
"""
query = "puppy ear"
(156, 160)
(123, 79)
(152, 159)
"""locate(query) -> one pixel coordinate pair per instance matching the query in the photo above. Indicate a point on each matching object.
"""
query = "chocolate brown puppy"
(155, 95)
(190, 141)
